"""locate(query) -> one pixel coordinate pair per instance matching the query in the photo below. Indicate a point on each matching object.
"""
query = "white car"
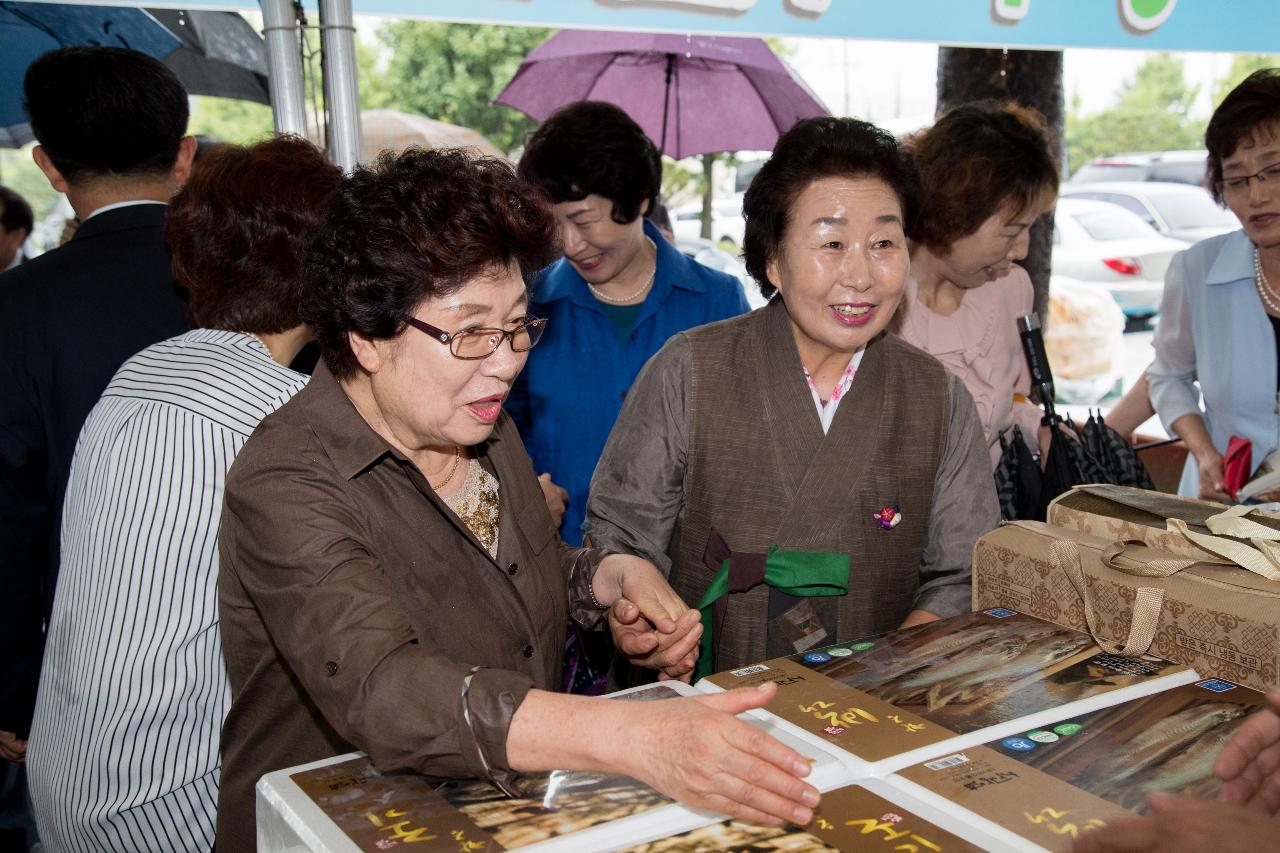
(1179, 211)
(1102, 243)
(710, 255)
(727, 223)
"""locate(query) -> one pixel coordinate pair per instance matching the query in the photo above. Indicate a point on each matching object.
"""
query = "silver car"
(1180, 211)
(1104, 244)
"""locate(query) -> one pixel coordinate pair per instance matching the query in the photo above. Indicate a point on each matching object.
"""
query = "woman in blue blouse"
(620, 291)
(1220, 315)
(612, 301)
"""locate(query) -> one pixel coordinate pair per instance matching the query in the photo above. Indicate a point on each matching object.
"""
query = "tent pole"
(341, 92)
(284, 66)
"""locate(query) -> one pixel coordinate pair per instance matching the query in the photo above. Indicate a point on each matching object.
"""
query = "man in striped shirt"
(124, 747)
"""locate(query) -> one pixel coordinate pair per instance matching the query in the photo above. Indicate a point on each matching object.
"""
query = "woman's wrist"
(553, 731)
(606, 583)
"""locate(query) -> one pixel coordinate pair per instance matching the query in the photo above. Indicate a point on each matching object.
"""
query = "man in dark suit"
(16, 222)
(111, 127)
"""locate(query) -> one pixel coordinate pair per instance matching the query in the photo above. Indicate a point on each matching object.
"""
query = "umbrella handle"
(1154, 444)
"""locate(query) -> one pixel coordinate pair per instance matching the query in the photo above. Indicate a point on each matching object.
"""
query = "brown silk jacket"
(354, 604)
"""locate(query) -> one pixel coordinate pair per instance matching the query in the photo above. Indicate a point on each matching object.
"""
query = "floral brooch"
(889, 517)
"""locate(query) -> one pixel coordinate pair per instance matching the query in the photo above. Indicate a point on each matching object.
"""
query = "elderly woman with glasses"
(392, 580)
(1220, 315)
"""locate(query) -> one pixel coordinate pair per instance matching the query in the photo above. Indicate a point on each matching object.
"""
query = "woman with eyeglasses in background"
(1220, 314)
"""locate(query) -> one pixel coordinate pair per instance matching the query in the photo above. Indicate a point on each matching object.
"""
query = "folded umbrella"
(691, 94)
(1119, 460)
(1018, 478)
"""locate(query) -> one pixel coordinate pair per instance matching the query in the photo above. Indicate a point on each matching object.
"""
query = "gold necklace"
(453, 469)
(1269, 297)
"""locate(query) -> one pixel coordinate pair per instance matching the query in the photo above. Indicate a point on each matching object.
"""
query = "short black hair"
(105, 111)
(15, 213)
(816, 148)
(1254, 104)
(415, 226)
(594, 148)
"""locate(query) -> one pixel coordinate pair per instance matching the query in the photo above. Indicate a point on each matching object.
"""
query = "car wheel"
(1137, 322)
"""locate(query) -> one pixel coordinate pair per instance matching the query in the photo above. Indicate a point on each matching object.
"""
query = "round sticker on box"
(862, 647)
(817, 657)
(1041, 736)
(1017, 744)
(839, 652)
(1066, 729)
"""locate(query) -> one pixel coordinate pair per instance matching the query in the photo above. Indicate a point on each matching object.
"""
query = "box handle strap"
(1264, 559)
(1146, 605)
(1235, 521)
(1152, 567)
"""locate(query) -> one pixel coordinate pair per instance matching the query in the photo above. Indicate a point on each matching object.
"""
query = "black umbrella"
(1018, 479)
(221, 54)
(1095, 454)
(1120, 462)
(1068, 462)
(29, 30)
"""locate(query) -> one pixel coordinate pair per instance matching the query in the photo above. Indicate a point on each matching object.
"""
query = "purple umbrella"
(691, 94)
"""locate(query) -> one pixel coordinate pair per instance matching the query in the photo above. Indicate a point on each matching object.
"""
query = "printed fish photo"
(974, 671)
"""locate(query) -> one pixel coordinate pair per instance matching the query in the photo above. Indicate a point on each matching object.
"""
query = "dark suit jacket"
(68, 319)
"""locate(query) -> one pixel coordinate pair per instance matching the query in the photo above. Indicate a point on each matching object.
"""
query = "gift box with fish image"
(1221, 619)
(344, 805)
(895, 699)
(869, 815)
(1045, 787)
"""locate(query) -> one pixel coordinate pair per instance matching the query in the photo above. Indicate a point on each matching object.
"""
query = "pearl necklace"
(261, 342)
(623, 300)
(1269, 297)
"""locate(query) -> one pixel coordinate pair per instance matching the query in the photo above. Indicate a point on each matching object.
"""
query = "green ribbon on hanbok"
(806, 574)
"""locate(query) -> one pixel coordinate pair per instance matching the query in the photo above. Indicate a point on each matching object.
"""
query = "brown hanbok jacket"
(721, 431)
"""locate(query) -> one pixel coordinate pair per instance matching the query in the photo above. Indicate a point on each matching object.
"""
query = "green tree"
(1242, 65)
(19, 173)
(228, 120)
(452, 72)
(1151, 113)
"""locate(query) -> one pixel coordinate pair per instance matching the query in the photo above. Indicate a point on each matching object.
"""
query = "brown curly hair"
(977, 159)
(412, 227)
(239, 232)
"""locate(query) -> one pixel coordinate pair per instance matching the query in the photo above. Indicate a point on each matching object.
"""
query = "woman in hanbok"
(804, 425)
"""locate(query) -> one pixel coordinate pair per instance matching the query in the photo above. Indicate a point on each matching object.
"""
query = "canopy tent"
(1250, 26)
(1246, 26)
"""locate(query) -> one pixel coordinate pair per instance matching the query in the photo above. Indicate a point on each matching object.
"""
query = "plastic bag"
(1084, 340)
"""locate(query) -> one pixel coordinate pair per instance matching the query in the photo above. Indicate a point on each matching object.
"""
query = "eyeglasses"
(1240, 185)
(475, 344)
